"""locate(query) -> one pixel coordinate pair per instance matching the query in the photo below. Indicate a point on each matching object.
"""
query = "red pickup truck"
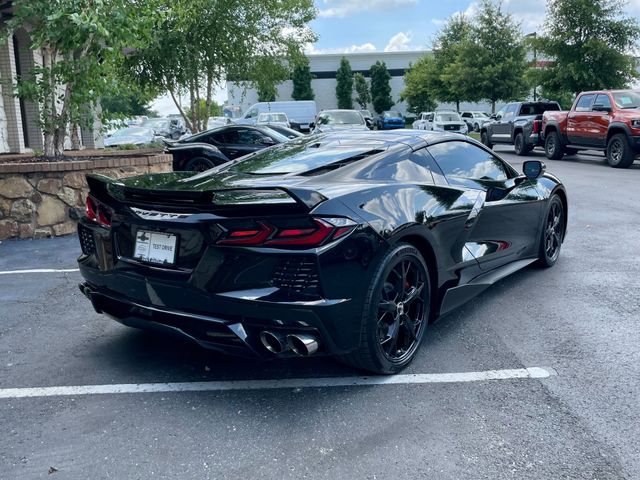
(607, 120)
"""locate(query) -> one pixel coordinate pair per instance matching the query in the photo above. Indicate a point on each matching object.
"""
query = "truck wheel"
(484, 138)
(476, 127)
(553, 148)
(519, 145)
(619, 152)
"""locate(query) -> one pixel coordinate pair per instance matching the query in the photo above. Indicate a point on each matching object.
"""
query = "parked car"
(343, 244)
(423, 122)
(215, 122)
(331, 120)
(130, 136)
(166, 127)
(290, 133)
(475, 120)
(277, 118)
(606, 120)
(518, 124)
(214, 147)
(368, 118)
(448, 121)
(389, 120)
(299, 113)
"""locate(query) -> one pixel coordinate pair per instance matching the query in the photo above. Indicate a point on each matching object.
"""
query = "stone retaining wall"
(45, 199)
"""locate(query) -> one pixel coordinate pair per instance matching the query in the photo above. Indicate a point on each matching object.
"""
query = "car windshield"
(392, 114)
(340, 118)
(272, 117)
(133, 132)
(296, 156)
(480, 115)
(156, 123)
(627, 99)
(365, 113)
(447, 117)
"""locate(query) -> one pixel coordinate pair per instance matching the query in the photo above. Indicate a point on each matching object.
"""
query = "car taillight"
(265, 234)
(536, 126)
(97, 212)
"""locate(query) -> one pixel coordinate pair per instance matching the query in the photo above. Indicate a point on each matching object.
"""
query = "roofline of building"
(375, 52)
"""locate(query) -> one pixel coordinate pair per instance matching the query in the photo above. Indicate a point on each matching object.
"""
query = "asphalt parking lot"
(578, 322)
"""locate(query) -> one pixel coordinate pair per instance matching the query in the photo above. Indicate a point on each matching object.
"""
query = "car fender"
(617, 126)
(553, 125)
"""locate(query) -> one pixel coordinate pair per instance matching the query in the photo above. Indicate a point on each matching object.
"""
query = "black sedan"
(343, 244)
(208, 149)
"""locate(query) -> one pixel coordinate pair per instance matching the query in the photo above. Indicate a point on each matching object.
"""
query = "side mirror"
(533, 169)
(598, 107)
(493, 116)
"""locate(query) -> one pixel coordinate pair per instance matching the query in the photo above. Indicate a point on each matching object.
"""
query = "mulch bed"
(76, 156)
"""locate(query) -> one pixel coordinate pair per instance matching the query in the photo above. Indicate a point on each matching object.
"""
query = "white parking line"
(39, 270)
(532, 372)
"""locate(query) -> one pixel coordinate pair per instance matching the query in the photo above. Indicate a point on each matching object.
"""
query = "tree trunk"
(493, 106)
(179, 107)
(58, 140)
(457, 105)
(75, 139)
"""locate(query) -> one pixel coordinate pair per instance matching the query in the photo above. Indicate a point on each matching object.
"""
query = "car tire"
(520, 147)
(387, 322)
(484, 138)
(619, 151)
(553, 148)
(552, 234)
(476, 127)
(199, 164)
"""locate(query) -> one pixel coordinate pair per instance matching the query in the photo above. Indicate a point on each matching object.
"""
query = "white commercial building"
(324, 67)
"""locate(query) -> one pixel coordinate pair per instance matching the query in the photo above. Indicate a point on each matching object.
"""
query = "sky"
(345, 26)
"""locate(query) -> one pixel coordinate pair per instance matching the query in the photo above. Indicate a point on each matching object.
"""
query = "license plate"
(156, 247)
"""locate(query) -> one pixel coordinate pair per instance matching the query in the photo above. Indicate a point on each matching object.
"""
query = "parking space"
(578, 322)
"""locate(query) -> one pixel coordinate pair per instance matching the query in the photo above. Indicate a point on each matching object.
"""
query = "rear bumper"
(233, 334)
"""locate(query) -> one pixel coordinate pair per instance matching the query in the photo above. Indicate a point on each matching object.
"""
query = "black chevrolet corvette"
(345, 244)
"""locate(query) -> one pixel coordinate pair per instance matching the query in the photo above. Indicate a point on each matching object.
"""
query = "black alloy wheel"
(619, 152)
(484, 138)
(519, 146)
(396, 313)
(553, 148)
(552, 233)
(199, 164)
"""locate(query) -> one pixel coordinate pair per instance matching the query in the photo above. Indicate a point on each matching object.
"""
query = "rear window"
(538, 108)
(392, 114)
(299, 156)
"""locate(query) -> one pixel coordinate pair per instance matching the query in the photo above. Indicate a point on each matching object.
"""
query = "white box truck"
(300, 113)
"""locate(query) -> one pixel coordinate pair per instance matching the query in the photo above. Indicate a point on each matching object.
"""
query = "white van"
(300, 113)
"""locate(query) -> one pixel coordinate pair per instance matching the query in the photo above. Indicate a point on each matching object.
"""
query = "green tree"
(450, 84)
(302, 81)
(81, 43)
(344, 84)
(419, 83)
(363, 97)
(126, 101)
(493, 57)
(213, 110)
(195, 45)
(380, 88)
(589, 44)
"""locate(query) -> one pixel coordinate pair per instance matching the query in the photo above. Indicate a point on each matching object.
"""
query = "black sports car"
(207, 149)
(344, 244)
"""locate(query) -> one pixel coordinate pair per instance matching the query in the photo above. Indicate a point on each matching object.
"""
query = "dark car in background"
(389, 120)
(214, 147)
(343, 244)
(518, 124)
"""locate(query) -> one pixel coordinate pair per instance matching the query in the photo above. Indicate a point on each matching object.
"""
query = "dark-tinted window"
(248, 137)
(584, 103)
(462, 159)
(417, 167)
(538, 108)
(602, 100)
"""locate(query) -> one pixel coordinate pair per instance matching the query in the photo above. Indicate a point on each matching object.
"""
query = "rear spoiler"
(103, 187)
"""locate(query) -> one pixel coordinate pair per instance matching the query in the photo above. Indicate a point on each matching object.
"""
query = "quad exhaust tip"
(273, 342)
(302, 344)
